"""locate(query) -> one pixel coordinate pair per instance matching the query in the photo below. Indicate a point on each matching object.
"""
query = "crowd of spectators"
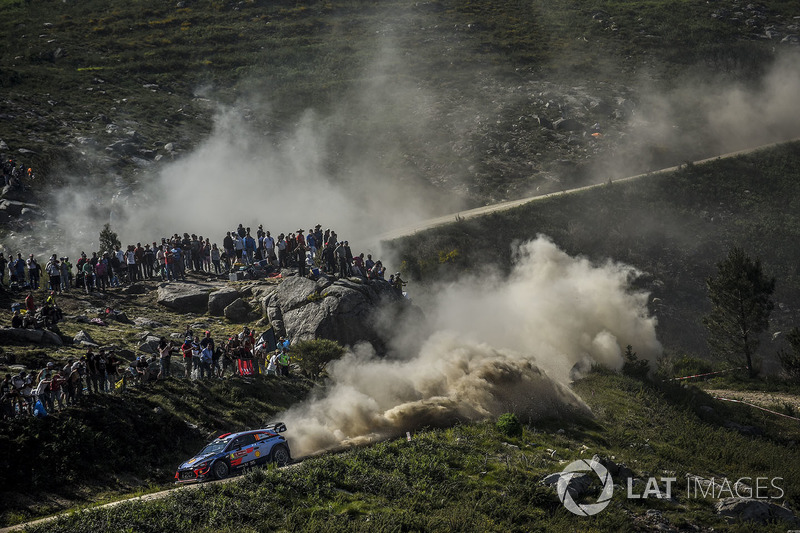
(15, 174)
(314, 253)
(56, 387)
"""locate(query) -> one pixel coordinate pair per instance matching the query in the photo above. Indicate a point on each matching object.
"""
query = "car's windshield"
(216, 446)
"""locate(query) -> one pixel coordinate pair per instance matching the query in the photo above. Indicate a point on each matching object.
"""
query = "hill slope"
(473, 478)
(673, 227)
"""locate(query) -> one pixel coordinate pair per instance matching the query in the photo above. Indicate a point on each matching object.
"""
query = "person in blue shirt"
(249, 248)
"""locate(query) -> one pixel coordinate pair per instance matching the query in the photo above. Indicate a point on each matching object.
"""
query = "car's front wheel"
(280, 455)
(221, 470)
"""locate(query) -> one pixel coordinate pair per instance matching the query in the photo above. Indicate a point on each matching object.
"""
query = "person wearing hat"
(53, 269)
(43, 390)
(398, 283)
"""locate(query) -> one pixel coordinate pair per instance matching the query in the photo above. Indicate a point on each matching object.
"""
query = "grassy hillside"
(473, 478)
(673, 227)
(123, 443)
(128, 441)
(423, 85)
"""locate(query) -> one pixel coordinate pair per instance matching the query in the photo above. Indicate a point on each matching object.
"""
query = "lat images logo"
(579, 467)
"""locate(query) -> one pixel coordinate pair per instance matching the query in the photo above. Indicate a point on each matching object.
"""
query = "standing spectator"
(282, 259)
(7, 398)
(3, 264)
(88, 276)
(269, 248)
(149, 259)
(186, 349)
(164, 354)
(75, 382)
(112, 370)
(272, 367)
(215, 258)
(44, 388)
(130, 260)
(19, 269)
(53, 270)
(57, 389)
(249, 248)
(138, 255)
(311, 243)
(101, 364)
(92, 378)
(205, 254)
(34, 271)
(227, 244)
(66, 273)
(101, 272)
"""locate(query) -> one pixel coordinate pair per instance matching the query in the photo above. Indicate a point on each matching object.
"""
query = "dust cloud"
(500, 345)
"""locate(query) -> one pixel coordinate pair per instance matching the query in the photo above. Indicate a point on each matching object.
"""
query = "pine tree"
(741, 302)
(108, 239)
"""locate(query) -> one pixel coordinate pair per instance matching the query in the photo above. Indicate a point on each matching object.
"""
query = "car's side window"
(235, 443)
(247, 440)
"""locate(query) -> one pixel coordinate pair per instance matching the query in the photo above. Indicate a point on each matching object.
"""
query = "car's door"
(262, 446)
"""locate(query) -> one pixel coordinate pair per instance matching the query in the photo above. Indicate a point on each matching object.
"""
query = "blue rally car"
(234, 451)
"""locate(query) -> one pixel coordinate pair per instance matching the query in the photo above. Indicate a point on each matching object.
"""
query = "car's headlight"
(202, 465)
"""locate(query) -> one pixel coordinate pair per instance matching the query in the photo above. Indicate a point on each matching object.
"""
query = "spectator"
(165, 354)
(3, 264)
(34, 271)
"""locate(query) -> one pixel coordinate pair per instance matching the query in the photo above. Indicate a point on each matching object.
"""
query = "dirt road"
(424, 225)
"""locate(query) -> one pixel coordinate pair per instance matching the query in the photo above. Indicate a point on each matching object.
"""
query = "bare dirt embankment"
(763, 399)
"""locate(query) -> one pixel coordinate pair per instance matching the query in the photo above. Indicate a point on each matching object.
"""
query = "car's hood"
(196, 460)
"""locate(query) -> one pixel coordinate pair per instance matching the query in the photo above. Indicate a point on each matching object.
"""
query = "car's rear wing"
(277, 427)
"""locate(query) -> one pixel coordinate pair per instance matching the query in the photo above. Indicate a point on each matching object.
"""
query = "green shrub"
(790, 359)
(690, 366)
(633, 366)
(508, 424)
(313, 356)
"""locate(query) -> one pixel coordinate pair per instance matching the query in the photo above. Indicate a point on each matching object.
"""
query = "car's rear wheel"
(221, 470)
(280, 455)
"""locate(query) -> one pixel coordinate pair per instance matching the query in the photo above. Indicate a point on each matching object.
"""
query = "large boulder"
(754, 510)
(30, 336)
(219, 300)
(237, 311)
(183, 297)
(149, 344)
(13, 193)
(83, 338)
(347, 311)
(10, 209)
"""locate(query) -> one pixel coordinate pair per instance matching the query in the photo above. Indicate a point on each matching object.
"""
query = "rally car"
(234, 451)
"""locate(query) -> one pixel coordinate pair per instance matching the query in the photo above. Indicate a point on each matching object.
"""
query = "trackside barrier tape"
(759, 407)
(707, 374)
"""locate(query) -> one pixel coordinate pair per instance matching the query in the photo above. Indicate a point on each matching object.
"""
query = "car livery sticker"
(241, 453)
(258, 453)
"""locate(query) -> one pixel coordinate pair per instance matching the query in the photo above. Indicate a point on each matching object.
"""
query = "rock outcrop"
(754, 510)
(219, 300)
(31, 336)
(348, 311)
(237, 311)
(83, 338)
(184, 298)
